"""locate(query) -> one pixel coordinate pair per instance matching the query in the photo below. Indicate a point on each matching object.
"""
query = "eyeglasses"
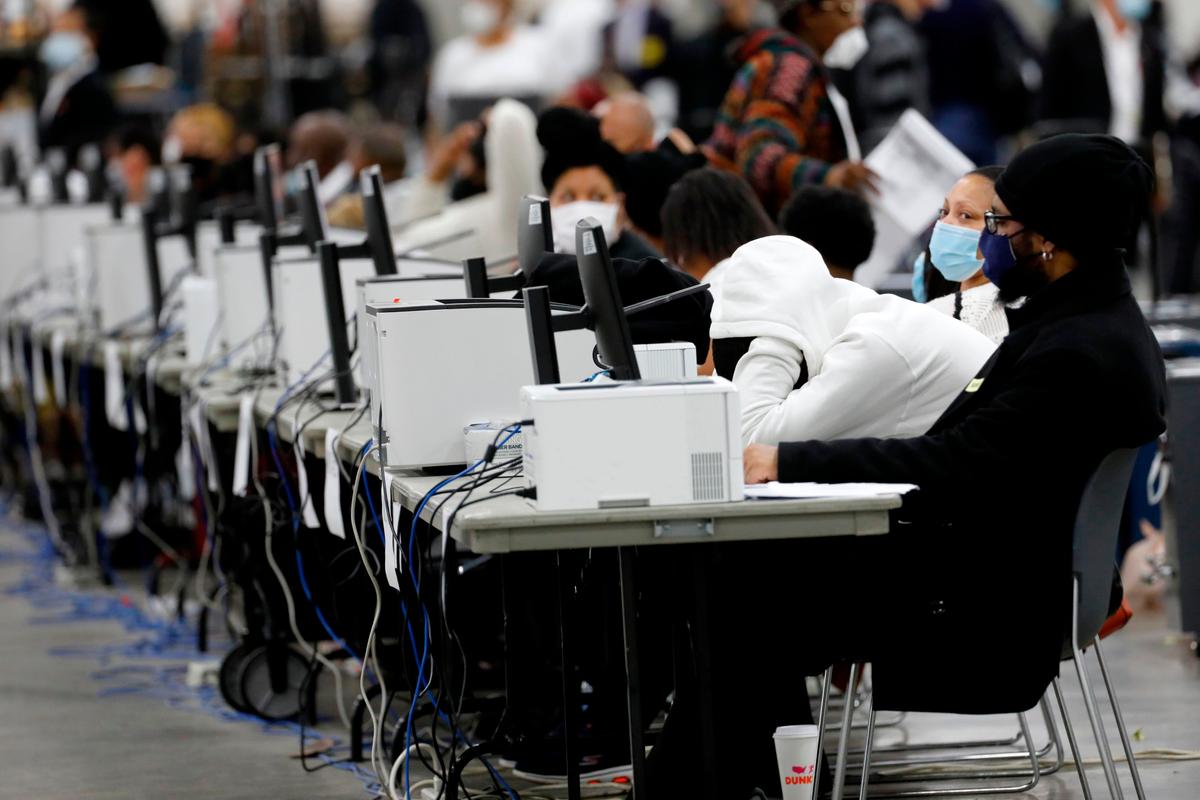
(992, 220)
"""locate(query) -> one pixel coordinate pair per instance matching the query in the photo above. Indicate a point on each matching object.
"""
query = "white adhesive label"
(58, 370)
(241, 449)
(391, 562)
(308, 514)
(333, 488)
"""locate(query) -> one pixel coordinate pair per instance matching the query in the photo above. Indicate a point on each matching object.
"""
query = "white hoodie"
(878, 365)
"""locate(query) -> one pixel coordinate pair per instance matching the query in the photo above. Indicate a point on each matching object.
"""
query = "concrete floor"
(82, 717)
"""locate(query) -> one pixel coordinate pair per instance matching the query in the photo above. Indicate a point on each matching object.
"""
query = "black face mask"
(1025, 278)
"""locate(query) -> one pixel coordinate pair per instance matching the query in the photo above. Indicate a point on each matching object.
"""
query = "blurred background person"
(984, 75)
(638, 43)
(1105, 72)
(323, 137)
(135, 150)
(783, 124)
(704, 65)
(77, 108)
(627, 122)
(893, 74)
(204, 137)
(401, 51)
(379, 144)
(496, 56)
(129, 33)
(836, 222)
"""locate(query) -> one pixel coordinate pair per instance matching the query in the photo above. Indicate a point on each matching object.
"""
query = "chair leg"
(1035, 759)
(822, 715)
(839, 775)
(1052, 732)
(866, 767)
(1093, 711)
(1076, 756)
(1125, 743)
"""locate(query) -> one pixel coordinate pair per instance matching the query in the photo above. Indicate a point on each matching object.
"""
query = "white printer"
(632, 443)
(438, 368)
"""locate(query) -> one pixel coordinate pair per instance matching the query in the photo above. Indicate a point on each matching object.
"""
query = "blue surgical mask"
(998, 256)
(1134, 10)
(62, 50)
(954, 251)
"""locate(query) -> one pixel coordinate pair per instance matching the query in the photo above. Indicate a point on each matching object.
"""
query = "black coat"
(86, 115)
(970, 593)
(1075, 95)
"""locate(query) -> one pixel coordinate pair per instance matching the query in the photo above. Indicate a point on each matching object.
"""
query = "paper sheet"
(807, 491)
(916, 166)
(333, 488)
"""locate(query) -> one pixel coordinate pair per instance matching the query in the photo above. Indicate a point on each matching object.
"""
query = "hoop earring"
(1046, 255)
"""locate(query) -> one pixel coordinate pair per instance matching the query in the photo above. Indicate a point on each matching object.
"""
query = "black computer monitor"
(535, 235)
(268, 186)
(379, 232)
(312, 210)
(603, 302)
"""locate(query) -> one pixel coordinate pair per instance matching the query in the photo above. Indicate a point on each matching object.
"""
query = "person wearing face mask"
(954, 254)
(78, 108)
(583, 176)
(1105, 72)
(783, 123)
(203, 136)
(495, 57)
(893, 75)
(1079, 377)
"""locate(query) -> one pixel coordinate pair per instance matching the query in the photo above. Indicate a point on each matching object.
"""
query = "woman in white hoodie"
(817, 357)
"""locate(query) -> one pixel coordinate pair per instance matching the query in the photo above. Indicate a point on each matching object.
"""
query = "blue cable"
(296, 538)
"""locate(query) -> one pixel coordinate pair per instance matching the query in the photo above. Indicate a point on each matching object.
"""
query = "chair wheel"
(273, 697)
(229, 677)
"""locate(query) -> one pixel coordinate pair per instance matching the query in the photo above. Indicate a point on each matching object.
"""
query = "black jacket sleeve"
(1046, 409)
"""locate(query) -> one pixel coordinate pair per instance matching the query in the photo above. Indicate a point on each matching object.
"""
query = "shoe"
(549, 767)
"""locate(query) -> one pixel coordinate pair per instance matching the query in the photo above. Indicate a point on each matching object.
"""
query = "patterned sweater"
(777, 126)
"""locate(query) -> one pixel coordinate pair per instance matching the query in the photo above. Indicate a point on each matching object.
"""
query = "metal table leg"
(569, 686)
(637, 744)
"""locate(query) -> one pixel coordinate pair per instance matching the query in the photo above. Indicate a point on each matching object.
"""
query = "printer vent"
(708, 476)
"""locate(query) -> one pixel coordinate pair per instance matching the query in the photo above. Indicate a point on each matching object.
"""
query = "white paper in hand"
(333, 488)
(916, 166)
(241, 449)
(58, 371)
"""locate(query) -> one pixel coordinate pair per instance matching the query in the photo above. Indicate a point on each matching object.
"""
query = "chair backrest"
(1097, 528)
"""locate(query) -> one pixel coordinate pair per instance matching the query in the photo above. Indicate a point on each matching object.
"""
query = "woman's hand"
(760, 463)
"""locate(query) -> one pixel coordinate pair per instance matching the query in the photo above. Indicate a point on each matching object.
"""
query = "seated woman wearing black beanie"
(1079, 377)
(584, 175)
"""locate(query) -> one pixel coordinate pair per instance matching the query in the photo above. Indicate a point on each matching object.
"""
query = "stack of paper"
(808, 491)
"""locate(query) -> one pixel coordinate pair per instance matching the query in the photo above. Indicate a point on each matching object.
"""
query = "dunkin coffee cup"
(796, 749)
